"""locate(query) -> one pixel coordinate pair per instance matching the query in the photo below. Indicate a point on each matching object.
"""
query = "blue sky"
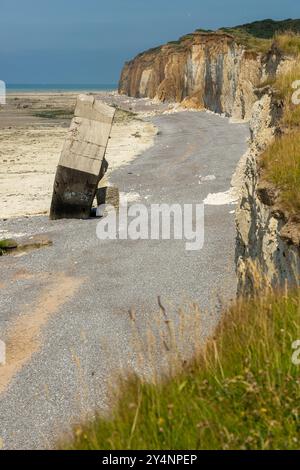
(87, 41)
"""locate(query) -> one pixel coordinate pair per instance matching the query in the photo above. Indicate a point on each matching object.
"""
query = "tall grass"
(266, 29)
(281, 160)
(288, 42)
(283, 86)
(241, 392)
(256, 44)
(281, 166)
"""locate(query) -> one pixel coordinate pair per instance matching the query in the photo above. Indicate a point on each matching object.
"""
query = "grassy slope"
(258, 36)
(266, 29)
(281, 166)
(244, 391)
(281, 161)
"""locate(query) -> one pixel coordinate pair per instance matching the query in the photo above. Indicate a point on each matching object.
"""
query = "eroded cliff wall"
(265, 242)
(201, 70)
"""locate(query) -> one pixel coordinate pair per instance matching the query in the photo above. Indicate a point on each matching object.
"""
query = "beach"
(33, 127)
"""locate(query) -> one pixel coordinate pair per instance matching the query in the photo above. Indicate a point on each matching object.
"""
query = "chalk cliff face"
(265, 235)
(212, 71)
(204, 70)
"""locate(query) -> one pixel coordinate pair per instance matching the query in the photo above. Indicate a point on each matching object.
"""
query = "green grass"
(260, 35)
(122, 116)
(283, 82)
(202, 30)
(6, 245)
(257, 37)
(280, 163)
(54, 114)
(281, 166)
(242, 392)
(267, 29)
(288, 43)
(187, 37)
(250, 42)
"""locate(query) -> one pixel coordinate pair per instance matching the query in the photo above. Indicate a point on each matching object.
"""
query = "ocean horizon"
(54, 87)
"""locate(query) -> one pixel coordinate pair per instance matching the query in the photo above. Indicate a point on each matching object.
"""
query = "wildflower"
(160, 421)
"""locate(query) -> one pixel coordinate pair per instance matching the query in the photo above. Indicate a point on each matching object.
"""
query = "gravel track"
(71, 300)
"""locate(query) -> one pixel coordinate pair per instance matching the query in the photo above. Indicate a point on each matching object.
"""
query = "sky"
(88, 41)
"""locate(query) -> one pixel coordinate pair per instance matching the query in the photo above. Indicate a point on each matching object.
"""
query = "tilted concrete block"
(82, 163)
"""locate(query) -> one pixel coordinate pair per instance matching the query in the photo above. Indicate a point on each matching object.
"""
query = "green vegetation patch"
(54, 114)
(280, 162)
(122, 116)
(259, 36)
(267, 29)
(6, 245)
(281, 166)
(288, 43)
(253, 43)
(201, 30)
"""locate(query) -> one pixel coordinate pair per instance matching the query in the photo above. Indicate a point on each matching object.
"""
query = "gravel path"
(64, 308)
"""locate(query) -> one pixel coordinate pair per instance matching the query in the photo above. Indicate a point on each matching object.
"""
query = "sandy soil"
(30, 147)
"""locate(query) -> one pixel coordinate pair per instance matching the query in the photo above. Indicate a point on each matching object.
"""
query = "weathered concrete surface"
(82, 164)
(77, 293)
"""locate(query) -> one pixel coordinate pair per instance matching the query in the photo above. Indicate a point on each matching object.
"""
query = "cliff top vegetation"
(257, 36)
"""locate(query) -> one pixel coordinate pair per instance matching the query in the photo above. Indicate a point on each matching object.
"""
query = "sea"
(58, 88)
